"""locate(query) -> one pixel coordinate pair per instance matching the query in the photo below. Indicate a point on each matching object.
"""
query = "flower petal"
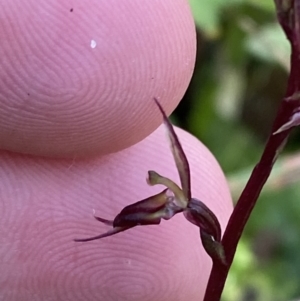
(213, 248)
(143, 212)
(149, 204)
(154, 179)
(149, 211)
(200, 215)
(178, 154)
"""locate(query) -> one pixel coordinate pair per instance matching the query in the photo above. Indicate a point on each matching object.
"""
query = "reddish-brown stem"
(288, 15)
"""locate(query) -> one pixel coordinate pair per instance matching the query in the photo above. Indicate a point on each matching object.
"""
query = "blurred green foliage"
(240, 78)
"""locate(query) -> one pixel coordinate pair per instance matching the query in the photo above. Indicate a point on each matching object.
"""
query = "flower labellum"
(169, 202)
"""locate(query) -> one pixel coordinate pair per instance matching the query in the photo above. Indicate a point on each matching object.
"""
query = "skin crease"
(75, 109)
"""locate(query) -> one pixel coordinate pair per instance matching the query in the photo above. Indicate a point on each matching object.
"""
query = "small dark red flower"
(169, 202)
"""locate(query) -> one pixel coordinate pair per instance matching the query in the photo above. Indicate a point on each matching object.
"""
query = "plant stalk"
(288, 12)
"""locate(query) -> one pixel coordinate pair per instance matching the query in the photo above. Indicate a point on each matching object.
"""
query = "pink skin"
(61, 97)
(77, 108)
(46, 203)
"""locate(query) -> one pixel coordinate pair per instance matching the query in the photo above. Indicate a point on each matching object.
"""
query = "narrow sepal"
(111, 232)
(104, 221)
(213, 248)
(178, 154)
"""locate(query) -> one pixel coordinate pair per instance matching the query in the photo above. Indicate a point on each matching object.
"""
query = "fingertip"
(81, 82)
(52, 202)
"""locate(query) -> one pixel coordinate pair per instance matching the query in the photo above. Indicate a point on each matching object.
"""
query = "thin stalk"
(288, 15)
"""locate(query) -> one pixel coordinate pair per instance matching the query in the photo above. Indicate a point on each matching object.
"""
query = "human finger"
(47, 203)
(78, 79)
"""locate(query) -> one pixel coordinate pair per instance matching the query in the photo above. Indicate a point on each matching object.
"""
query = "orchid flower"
(170, 201)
